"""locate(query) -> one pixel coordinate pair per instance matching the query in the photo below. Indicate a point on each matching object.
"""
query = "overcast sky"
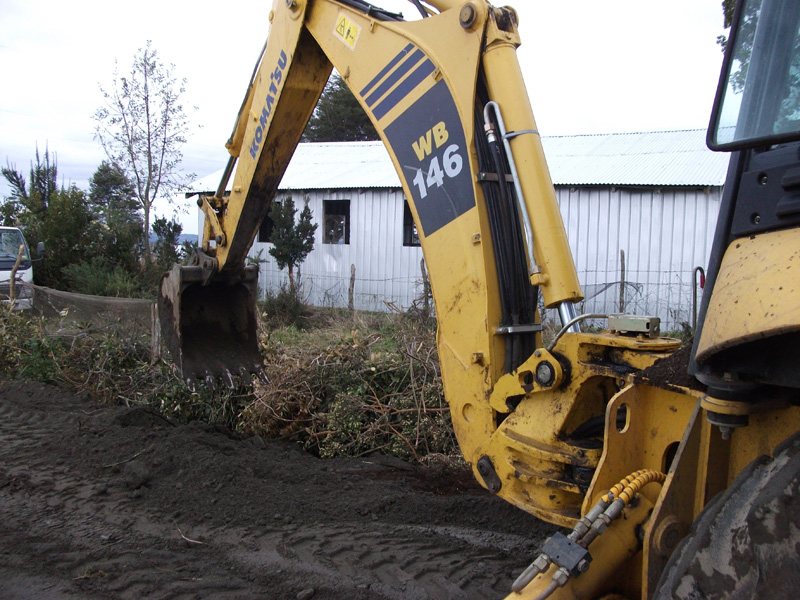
(590, 67)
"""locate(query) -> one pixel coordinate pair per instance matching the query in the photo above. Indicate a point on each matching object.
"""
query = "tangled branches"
(346, 387)
(112, 365)
(367, 386)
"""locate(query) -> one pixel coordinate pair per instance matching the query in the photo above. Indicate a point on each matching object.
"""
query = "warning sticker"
(347, 30)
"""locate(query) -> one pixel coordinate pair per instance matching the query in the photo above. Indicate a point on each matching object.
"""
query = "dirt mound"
(116, 502)
(671, 371)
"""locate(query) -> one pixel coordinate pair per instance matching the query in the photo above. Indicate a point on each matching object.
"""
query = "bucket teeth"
(211, 382)
(262, 376)
(243, 377)
(227, 377)
(244, 374)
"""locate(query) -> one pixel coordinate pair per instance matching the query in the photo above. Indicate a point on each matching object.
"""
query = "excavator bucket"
(209, 326)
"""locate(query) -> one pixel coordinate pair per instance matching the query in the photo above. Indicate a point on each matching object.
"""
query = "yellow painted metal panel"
(755, 295)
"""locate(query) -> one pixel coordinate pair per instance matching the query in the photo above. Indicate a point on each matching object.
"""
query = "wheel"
(746, 542)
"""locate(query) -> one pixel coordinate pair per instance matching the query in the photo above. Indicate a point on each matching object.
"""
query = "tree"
(30, 201)
(728, 7)
(338, 117)
(142, 128)
(292, 241)
(57, 217)
(69, 233)
(165, 249)
(8, 213)
(86, 236)
(111, 192)
(113, 203)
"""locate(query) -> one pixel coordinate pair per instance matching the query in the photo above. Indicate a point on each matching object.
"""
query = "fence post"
(12, 282)
(426, 289)
(155, 334)
(350, 291)
(622, 281)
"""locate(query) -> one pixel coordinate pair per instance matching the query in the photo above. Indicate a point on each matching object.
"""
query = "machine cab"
(758, 99)
(749, 325)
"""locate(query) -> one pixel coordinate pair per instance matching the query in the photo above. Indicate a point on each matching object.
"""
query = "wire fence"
(96, 312)
(667, 295)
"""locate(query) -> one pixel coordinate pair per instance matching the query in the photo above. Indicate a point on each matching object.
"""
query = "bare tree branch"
(142, 128)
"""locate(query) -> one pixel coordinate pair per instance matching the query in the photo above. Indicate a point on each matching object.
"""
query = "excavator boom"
(430, 88)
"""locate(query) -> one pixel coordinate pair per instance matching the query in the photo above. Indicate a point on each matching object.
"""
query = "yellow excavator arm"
(430, 87)
(418, 83)
(573, 431)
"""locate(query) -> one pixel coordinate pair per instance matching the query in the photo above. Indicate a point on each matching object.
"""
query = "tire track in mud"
(395, 561)
(115, 502)
(82, 531)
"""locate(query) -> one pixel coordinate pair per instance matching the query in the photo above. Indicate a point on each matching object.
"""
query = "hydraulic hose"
(630, 487)
(518, 298)
(615, 491)
(641, 480)
(587, 529)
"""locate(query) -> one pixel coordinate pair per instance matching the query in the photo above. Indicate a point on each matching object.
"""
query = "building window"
(265, 229)
(336, 220)
(410, 235)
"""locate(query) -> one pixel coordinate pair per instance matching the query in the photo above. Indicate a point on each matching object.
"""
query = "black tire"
(746, 542)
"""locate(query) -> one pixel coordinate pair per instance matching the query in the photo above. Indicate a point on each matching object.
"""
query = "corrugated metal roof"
(661, 158)
(329, 165)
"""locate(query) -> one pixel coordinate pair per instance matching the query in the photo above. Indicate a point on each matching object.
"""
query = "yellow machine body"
(756, 292)
(551, 429)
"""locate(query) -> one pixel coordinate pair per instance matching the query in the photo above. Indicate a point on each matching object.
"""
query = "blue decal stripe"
(396, 76)
(386, 69)
(402, 90)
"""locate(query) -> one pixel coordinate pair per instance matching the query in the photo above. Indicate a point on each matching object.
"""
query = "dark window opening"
(265, 229)
(336, 222)
(410, 235)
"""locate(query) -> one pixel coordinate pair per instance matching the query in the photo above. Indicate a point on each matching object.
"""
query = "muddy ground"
(117, 502)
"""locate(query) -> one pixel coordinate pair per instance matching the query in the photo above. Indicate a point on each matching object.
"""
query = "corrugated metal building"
(655, 197)
(645, 200)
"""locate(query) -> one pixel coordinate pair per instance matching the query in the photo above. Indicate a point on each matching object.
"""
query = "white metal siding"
(665, 233)
(662, 215)
(387, 273)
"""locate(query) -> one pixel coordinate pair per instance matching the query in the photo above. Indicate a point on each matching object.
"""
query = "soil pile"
(117, 502)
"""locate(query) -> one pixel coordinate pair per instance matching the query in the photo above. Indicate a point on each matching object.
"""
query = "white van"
(11, 239)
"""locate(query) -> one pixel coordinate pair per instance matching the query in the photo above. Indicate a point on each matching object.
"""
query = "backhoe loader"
(682, 489)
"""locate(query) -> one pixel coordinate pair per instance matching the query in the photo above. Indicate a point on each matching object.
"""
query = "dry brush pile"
(112, 365)
(353, 386)
(348, 386)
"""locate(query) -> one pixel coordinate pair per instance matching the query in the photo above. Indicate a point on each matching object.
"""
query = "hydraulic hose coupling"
(543, 561)
(570, 553)
(491, 136)
(630, 486)
(540, 565)
(582, 526)
(602, 522)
